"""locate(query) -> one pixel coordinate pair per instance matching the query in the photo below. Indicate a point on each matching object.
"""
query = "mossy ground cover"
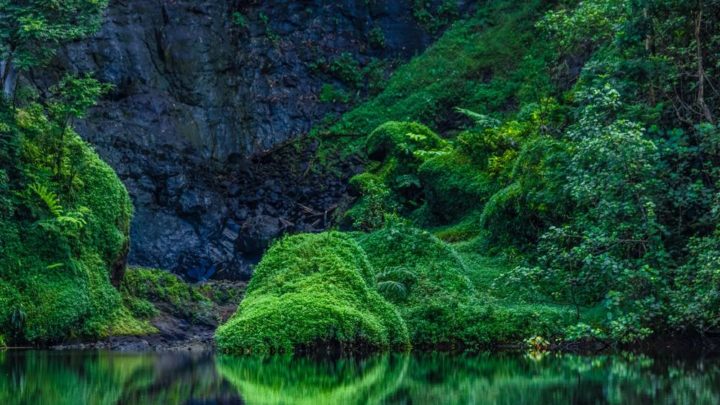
(312, 291)
(451, 298)
(59, 241)
(148, 293)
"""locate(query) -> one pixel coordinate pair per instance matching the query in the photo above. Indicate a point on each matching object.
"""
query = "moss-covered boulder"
(427, 281)
(312, 291)
(61, 236)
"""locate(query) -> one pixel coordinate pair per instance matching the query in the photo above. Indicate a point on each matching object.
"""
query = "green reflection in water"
(282, 380)
(181, 378)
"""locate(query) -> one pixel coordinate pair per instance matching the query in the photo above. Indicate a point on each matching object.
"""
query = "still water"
(33, 377)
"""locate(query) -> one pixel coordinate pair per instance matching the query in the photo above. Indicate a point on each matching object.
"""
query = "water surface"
(36, 377)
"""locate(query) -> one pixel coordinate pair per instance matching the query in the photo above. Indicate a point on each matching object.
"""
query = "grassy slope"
(473, 65)
(444, 288)
(488, 64)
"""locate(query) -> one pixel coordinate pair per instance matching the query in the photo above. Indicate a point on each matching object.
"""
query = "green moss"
(439, 293)
(312, 290)
(440, 304)
(127, 323)
(55, 277)
(454, 185)
(144, 288)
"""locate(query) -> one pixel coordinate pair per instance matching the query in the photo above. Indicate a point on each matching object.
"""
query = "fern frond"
(51, 200)
(396, 273)
(76, 222)
(480, 119)
(407, 180)
(416, 137)
(392, 289)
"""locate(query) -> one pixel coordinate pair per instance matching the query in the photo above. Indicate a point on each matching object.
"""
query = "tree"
(72, 96)
(32, 30)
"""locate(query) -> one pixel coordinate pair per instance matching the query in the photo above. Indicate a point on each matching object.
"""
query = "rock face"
(205, 92)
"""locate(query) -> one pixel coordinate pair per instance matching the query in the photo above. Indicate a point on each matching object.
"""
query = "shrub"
(376, 203)
(401, 140)
(312, 291)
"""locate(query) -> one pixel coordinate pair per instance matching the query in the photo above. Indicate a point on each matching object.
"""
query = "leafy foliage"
(65, 215)
(583, 146)
(32, 30)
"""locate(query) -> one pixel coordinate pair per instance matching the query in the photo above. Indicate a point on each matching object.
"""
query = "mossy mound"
(454, 185)
(426, 280)
(312, 291)
(61, 236)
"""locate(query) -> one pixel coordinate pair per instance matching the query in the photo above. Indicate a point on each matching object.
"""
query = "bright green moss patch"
(61, 238)
(308, 291)
(127, 323)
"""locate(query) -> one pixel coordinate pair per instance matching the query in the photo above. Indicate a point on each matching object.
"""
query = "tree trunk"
(649, 49)
(707, 115)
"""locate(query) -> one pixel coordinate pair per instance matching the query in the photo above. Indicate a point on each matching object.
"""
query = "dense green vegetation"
(148, 293)
(565, 155)
(600, 186)
(63, 229)
(64, 214)
(545, 170)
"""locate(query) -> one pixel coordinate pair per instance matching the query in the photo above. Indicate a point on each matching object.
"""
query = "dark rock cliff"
(206, 93)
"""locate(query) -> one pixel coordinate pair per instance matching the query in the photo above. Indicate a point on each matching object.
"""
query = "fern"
(66, 224)
(391, 289)
(395, 283)
(481, 120)
(51, 200)
(407, 180)
(396, 273)
(416, 137)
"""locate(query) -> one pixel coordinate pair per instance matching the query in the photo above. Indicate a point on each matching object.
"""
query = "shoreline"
(200, 339)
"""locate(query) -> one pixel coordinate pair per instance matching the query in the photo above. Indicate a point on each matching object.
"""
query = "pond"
(39, 377)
